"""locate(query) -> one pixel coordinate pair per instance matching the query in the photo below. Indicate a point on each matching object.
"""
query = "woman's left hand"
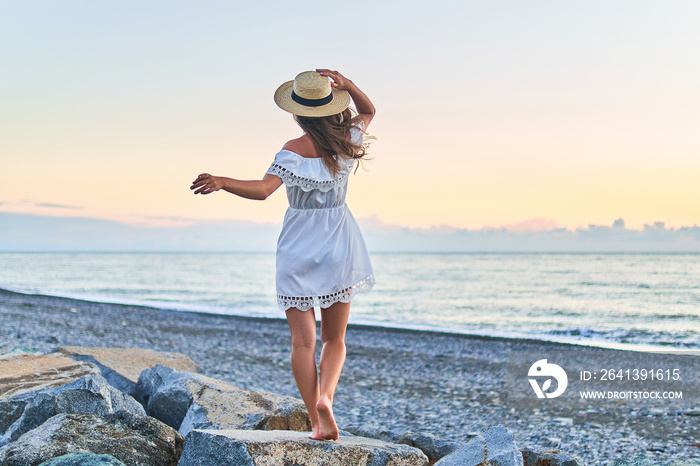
(206, 183)
(338, 81)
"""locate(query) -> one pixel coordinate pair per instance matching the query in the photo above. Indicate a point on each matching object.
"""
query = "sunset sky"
(488, 113)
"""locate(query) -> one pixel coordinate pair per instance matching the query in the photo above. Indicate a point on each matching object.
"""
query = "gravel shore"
(453, 386)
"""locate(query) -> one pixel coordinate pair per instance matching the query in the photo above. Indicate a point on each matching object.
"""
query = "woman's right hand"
(206, 183)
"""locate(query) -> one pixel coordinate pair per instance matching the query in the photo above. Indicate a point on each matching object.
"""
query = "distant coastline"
(24, 232)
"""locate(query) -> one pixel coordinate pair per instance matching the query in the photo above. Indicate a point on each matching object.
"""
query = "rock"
(83, 459)
(27, 372)
(90, 394)
(10, 411)
(167, 394)
(379, 434)
(539, 457)
(563, 421)
(187, 401)
(254, 447)
(551, 442)
(495, 447)
(433, 447)
(122, 366)
(21, 375)
(150, 380)
(134, 439)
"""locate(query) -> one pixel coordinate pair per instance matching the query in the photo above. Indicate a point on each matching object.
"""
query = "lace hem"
(307, 184)
(344, 296)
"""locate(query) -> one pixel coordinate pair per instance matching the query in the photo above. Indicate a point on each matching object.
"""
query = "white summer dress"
(321, 255)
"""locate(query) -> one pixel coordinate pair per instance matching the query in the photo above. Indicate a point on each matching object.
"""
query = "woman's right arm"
(365, 108)
(249, 189)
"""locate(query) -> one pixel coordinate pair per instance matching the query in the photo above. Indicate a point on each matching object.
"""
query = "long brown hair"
(331, 136)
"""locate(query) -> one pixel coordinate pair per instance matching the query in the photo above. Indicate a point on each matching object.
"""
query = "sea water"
(633, 301)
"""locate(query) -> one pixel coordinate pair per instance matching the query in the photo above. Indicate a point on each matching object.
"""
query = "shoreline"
(575, 342)
(450, 385)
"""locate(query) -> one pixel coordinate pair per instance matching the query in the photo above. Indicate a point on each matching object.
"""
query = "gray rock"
(83, 459)
(22, 375)
(546, 457)
(165, 393)
(10, 411)
(26, 373)
(123, 366)
(495, 447)
(250, 447)
(379, 434)
(187, 401)
(149, 381)
(134, 439)
(434, 447)
(90, 394)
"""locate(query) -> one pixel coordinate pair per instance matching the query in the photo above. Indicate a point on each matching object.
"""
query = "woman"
(322, 260)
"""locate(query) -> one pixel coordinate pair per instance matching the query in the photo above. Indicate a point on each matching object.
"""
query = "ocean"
(628, 301)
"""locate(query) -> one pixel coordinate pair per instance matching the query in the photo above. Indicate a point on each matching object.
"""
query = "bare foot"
(314, 431)
(327, 429)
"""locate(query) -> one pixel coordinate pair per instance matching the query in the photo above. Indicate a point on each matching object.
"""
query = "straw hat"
(311, 95)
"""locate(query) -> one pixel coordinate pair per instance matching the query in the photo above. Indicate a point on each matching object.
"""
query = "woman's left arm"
(249, 189)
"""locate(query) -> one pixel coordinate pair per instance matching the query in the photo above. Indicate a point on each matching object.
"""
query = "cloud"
(532, 236)
(533, 224)
(55, 206)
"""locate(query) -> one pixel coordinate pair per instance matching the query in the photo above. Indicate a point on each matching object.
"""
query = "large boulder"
(24, 374)
(10, 411)
(187, 401)
(434, 447)
(272, 448)
(122, 366)
(134, 439)
(90, 394)
(83, 459)
(546, 457)
(30, 372)
(495, 447)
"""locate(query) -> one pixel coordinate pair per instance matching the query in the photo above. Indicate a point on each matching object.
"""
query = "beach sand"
(453, 386)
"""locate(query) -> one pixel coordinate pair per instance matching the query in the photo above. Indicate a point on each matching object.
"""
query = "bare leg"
(334, 322)
(302, 325)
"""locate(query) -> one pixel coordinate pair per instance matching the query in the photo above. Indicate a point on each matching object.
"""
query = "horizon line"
(516, 227)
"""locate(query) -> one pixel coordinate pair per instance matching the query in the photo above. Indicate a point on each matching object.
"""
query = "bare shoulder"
(302, 146)
(293, 144)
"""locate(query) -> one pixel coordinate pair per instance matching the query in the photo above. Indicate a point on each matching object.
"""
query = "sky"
(548, 114)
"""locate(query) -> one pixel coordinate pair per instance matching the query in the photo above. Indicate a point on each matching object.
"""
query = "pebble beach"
(450, 385)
